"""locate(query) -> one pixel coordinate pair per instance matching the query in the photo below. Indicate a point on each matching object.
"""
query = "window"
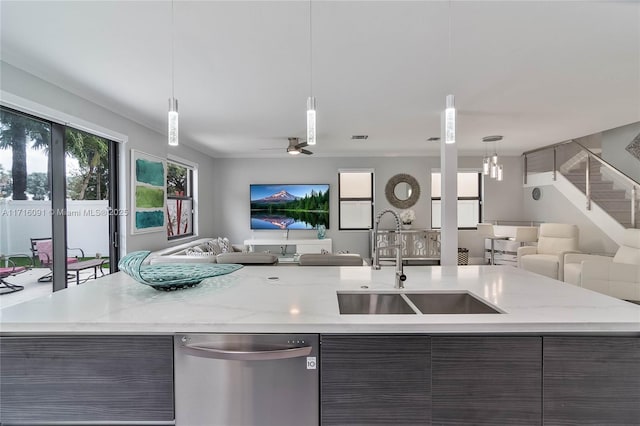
(469, 200)
(355, 199)
(180, 203)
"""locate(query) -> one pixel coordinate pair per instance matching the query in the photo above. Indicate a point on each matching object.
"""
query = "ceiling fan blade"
(304, 151)
(301, 145)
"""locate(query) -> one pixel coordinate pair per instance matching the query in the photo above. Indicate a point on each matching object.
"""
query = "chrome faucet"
(375, 263)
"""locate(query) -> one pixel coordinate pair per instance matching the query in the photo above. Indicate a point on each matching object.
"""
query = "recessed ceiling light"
(494, 138)
(359, 137)
(433, 139)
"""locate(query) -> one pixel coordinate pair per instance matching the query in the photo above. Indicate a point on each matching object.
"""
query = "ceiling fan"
(296, 147)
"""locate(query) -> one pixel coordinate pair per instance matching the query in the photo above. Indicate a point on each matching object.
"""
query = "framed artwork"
(148, 193)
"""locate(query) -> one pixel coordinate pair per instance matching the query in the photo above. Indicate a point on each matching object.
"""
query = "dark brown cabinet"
(375, 380)
(486, 380)
(82, 379)
(591, 380)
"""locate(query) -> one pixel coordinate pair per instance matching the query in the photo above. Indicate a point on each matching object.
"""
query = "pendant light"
(486, 165)
(173, 102)
(450, 109)
(311, 101)
(450, 121)
(490, 165)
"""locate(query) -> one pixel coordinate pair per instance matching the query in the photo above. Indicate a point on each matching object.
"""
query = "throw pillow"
(225, 245)
(194, 251)
(214, 247)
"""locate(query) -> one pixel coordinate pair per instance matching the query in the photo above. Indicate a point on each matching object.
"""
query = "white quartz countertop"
(288, 299)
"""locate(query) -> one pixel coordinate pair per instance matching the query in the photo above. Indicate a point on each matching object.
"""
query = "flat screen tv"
(289, 206)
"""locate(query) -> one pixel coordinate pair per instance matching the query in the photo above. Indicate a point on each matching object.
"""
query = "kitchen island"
(267, 299)
(375, 369)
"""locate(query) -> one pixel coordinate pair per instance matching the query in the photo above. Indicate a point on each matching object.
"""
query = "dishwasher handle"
(243, 355)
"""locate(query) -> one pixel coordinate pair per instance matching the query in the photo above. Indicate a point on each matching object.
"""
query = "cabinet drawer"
(375, 380)
(82, 379)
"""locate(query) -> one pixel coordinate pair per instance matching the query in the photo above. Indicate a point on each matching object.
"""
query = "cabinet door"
(64, 379)
(591, 380)
(375, 380)
(486, 380)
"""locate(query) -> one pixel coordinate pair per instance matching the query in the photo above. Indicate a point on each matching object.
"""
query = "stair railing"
(590, 156)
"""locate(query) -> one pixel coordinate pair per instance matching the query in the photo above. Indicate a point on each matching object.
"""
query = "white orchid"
(407, 216)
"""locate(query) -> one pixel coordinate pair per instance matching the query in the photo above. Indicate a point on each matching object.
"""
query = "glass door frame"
(58, 179)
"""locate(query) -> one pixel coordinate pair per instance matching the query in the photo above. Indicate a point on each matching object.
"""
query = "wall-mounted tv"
(289, 206)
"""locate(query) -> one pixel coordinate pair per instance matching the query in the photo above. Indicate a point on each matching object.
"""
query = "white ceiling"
(537, 72)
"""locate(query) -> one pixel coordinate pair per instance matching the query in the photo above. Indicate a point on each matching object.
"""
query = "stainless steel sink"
(372, 303)
(449, 303)
(412, 303)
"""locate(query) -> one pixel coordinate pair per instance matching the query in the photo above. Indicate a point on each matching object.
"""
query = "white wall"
(554, 207)
(27, 86)
(503, 199)
(614, 142)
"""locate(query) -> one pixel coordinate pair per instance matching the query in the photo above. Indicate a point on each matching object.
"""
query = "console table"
(417, 244)
(303, 245)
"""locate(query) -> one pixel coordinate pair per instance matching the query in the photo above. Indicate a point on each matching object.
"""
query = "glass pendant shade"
(450, 120)
(493, 173)
(486, 165)
(173, 122)
(499, 172)
(311, 120)
(494, 158)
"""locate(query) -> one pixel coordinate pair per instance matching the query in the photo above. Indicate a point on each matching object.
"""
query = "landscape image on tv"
(293, 206)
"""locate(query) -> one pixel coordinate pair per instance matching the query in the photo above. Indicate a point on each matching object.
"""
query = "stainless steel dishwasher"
(247, 379)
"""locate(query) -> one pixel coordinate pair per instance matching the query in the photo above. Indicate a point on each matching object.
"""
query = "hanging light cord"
(449, 48)
(310, 50)
(172, 54)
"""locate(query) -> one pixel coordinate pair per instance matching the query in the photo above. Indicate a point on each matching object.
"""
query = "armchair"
(554, 241)
(617, 276)
(42, 250)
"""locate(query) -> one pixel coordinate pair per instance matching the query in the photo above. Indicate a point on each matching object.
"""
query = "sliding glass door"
(25, 193)
(58, 198)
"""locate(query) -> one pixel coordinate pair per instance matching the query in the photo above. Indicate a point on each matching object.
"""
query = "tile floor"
(34, 289)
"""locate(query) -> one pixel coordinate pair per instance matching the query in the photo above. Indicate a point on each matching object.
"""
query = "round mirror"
(402, 191)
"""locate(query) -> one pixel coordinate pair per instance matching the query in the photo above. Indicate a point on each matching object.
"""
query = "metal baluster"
(588, 183)
(633, 206)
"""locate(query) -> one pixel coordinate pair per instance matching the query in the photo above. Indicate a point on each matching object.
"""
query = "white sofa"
(555, 240)
(185, 253)
(617, 276)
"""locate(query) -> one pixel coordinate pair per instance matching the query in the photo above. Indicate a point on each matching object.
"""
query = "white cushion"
(557, 238)
(572, 273)
(617, 280)
(543, 264)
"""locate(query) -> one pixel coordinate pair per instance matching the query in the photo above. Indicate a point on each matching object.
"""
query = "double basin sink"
(412, 303)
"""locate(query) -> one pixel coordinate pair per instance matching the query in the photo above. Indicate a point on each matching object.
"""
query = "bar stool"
(486, 230)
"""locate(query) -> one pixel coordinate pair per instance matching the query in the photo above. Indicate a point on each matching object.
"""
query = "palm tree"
(91, 151)
(15, 131)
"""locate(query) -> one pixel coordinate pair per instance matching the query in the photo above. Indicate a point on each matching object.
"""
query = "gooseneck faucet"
(375, 263)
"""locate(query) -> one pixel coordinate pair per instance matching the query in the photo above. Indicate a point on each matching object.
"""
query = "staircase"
(616, 202)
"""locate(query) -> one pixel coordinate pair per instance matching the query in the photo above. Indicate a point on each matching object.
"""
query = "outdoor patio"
(34, 289)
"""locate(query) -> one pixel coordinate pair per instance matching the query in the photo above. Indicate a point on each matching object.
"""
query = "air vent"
(494, 138)
(359, 137)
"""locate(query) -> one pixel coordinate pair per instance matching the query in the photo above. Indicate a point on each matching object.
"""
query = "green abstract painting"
(150, 219)
(148, 193)
(147, 197)
(151, 172)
